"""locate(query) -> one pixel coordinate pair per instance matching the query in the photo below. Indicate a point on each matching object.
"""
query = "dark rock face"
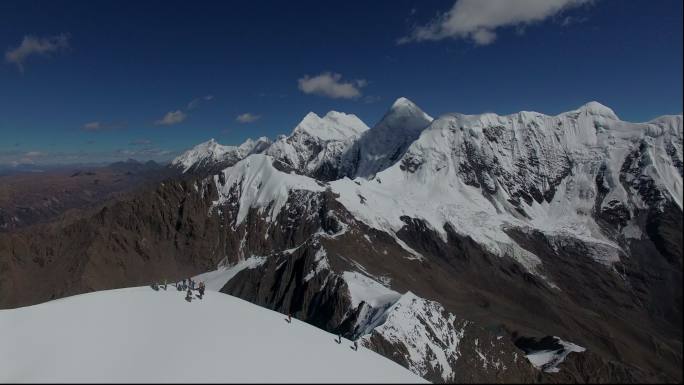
(156, 234)
(279, 284)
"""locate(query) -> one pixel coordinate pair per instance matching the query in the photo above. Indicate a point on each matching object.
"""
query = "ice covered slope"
(140, 335)
(558, 174)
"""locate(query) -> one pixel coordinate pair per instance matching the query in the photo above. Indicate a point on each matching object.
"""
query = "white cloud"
(247, 118)
(478, 20)
(34, 154)
(92, 126)
(171, 118)
(31, 45)
(331, 85)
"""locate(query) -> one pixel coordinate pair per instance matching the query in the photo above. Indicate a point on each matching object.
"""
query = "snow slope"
(216, 279)
(139, 335)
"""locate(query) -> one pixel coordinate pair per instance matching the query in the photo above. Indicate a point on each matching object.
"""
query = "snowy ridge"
(211, 152)
(427, 337)
(136, 335)
(257, 184)
(432, 340)
(333, 126)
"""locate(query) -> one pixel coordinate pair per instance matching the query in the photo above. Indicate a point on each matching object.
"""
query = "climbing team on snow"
(189, 285)
(183, 286)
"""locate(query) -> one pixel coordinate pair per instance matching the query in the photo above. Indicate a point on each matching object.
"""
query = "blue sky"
(85, 81)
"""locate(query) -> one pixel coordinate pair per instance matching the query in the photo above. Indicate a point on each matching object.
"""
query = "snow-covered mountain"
(386, 143)
(142, 335)
(212, 156)
(570, 175)
(582, 174)
(445, 244)
(582, 180)
(317, 145)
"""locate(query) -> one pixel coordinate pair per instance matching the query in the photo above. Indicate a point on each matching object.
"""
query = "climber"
(201, 289)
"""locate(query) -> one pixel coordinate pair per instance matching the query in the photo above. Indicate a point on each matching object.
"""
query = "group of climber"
(190, 286)
(355, 347)
(186, 284)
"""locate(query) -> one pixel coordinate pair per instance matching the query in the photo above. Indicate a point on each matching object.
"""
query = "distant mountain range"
(33, 195)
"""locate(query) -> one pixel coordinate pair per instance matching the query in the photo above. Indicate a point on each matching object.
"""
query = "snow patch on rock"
(548, 360)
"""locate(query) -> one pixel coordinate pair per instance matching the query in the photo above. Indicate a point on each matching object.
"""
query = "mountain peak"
(333, 126)
(403, 102)
(211, 143)
(596, 108)
(404, 109)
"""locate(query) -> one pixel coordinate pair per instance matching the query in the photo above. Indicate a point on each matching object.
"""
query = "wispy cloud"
(147, 152)
(330, 85)
(171, 118)
(194, 103)
(101, 126)
(31, 45)
(478, 20)
(570, 20)
(370, 99)
(92, 126)
(247, 118)
(34, 154)
(179, 115)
